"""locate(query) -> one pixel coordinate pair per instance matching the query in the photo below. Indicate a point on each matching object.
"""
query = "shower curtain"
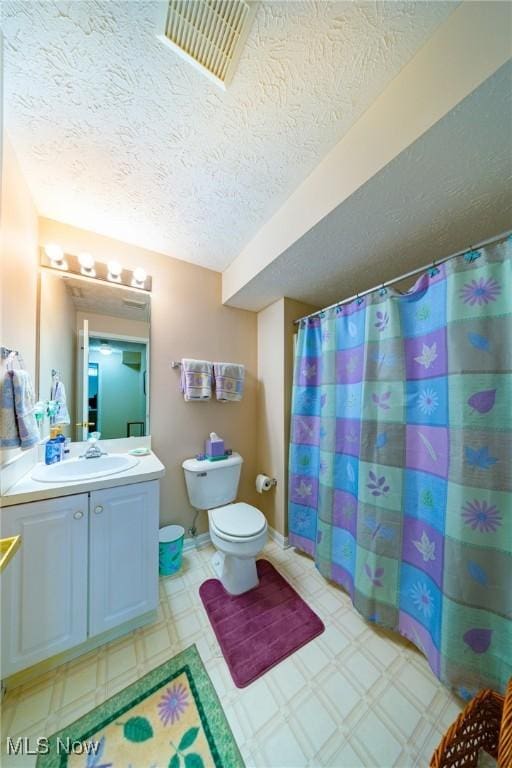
(401, 461)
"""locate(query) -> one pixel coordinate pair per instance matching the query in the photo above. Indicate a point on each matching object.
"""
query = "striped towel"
(229, 381)
(18, 423)
(196, 379)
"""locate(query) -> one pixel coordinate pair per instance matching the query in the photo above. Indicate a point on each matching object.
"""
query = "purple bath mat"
(260, 628)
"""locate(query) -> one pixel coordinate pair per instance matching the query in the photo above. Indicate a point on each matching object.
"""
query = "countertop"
(26, 489)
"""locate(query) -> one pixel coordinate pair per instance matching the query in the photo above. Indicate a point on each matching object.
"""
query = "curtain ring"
(433, 271)
(471, 255)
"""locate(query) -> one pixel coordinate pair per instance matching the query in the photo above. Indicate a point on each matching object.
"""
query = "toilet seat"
(237, 521)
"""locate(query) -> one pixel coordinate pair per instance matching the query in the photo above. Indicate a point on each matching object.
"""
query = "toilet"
(238, 530)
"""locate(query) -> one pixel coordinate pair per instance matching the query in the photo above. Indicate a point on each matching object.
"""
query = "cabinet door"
(44, 587)
(123, 546)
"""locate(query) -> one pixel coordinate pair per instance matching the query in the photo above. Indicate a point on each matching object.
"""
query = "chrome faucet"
(93, 451)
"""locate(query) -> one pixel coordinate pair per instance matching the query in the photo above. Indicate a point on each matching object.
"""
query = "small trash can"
(170, 547)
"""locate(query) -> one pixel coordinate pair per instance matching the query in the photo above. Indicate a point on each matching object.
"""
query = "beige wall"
(187, 320)
(18, 264)
(275, 375)
(57, 340)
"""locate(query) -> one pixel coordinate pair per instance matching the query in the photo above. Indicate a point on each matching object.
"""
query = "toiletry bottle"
(56, 434)
(52, 451)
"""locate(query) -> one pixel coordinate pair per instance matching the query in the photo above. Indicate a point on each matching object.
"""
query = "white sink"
(83, 469)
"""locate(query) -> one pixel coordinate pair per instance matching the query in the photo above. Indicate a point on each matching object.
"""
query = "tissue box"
(214, 447)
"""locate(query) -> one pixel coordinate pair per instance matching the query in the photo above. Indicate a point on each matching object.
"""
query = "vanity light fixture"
(139, 277)
(56, 255)
(86, 262)
(53, 256)
(114, 271)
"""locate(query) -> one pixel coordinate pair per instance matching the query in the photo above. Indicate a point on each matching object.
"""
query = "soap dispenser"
(57, 434)
(52, 451)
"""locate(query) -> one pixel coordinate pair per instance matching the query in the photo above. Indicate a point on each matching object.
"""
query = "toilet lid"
(238, 519)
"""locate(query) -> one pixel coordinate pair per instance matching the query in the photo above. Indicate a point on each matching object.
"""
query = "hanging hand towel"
(229, 381)
(24, 405)
(61, 415)
(19, 426)
(196, 379)
(9, 437)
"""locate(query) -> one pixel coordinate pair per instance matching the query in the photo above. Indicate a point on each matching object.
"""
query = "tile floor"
(355, 696)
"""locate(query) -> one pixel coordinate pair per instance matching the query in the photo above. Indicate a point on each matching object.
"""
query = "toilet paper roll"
(263, 483)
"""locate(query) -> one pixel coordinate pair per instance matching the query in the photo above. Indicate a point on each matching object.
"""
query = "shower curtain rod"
(399, 279)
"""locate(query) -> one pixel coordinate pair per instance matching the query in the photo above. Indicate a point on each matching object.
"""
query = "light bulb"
(139, 275)
(54, 253)
(114, 270)
(105, 349)
(86, 261)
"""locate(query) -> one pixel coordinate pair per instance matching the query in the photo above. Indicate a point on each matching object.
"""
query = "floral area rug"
(170, 718)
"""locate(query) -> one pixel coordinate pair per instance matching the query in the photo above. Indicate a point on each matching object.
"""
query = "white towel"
(229, 381)
(18, 423)
(58, 394)
(196, 379)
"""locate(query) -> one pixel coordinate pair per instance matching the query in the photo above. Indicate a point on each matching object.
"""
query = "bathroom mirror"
(93, 356)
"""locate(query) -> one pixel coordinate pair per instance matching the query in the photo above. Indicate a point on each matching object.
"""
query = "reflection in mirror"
(94, 356)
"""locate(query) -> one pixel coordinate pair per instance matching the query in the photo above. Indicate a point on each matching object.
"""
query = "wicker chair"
(485, 723)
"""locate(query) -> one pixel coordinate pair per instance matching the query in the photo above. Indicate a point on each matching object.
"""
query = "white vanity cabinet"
(123, 534)
(44, 589)
(87, 563)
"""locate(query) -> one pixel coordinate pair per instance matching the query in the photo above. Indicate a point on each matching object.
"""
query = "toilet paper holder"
(265, 483)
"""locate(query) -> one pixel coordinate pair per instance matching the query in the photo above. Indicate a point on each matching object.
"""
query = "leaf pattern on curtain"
(401, 462)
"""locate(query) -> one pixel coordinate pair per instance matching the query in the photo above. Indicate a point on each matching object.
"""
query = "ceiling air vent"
(209, 33)
(134, 304)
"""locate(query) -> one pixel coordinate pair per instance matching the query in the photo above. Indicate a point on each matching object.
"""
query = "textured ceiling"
(117, 134)
(451, 188)
(110, 300)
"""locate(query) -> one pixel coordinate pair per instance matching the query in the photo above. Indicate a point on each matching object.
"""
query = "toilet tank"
(212, 483)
